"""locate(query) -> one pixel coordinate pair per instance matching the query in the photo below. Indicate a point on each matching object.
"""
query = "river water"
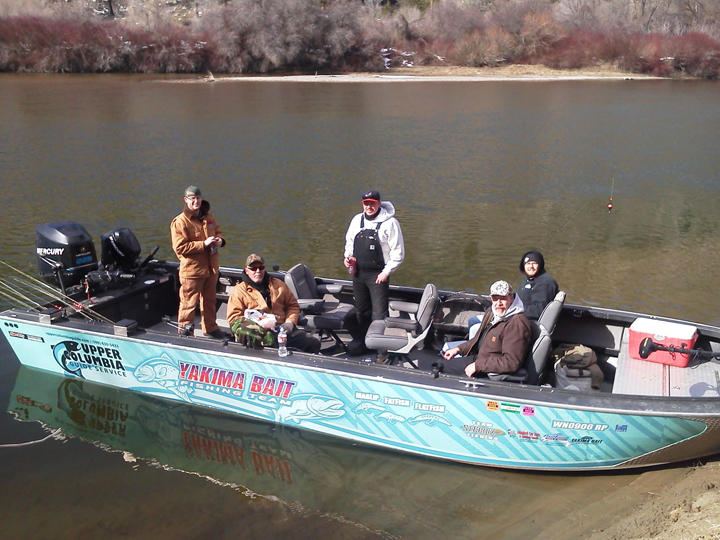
(479, 172)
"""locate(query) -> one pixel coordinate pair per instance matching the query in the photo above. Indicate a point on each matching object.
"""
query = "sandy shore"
(439, 74)
(686, 508)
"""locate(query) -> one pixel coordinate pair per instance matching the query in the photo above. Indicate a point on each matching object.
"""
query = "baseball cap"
(372, 195)
(254, 258)
(192, 191)
(500, 288)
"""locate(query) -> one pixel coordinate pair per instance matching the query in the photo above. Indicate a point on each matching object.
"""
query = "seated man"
(502, 342)
(259, 291)
(537, 288)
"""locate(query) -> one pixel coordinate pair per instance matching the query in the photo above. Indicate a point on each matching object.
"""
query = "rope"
(30, 442)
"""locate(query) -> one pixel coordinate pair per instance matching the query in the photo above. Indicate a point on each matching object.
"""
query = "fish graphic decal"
(64, 353)
(311, 407)
(390, 417)
(163, 371)
(429, 419)
(366, 407)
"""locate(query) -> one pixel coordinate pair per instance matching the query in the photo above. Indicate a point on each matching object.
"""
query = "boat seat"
(533, 369)
(400, 335)
(321, 315)
(550, 315)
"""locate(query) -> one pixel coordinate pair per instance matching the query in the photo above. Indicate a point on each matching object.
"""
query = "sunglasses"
(256, 268)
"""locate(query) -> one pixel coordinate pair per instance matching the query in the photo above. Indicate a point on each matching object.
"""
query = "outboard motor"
(120, 250)
(65, 253)
(120, 253)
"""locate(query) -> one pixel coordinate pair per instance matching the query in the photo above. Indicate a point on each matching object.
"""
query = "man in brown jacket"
(196, 238)
(504, 338)
(258, 290)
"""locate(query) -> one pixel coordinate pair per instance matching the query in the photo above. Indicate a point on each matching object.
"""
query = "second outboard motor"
(120, 253)
(65, 253)
(120, 250)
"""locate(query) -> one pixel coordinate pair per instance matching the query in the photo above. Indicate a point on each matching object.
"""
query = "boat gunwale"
(684, 407)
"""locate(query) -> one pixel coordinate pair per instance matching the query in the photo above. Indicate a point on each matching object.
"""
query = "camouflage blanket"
(252, 335)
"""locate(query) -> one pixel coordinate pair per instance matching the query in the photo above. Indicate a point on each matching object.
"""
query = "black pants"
(300, 340)
(371, 299)
(456, 366)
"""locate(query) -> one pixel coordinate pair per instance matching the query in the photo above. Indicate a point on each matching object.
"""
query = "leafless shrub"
(539, 32)
(490, 48)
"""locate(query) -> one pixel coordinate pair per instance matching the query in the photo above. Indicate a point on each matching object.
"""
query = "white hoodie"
(389, 234)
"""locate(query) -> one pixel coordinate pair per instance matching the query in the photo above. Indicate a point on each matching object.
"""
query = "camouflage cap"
(254, 258)
(500, 288)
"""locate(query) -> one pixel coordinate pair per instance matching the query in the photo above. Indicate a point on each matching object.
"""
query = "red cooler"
(666, 334)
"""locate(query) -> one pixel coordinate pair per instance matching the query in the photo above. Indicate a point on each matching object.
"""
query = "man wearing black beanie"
(537, 288)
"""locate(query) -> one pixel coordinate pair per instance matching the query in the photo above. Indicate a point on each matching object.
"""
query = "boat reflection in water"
(391, 494)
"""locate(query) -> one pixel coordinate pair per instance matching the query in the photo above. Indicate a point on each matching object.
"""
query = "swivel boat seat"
(400, 335)
(321, 315)
(533, 369)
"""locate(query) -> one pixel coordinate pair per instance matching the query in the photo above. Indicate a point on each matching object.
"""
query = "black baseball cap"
(372, 195)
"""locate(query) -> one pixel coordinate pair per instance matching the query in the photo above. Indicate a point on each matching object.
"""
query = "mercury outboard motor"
(65, 253)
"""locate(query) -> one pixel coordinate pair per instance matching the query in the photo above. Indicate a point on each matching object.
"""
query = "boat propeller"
(648, 346)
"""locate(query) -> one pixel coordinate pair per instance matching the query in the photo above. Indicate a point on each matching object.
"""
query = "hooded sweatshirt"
(389, 234)
(503, 340)
(538, 291)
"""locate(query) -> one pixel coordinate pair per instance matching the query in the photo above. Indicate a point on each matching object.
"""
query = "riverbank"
(517, 72)
(687, 507)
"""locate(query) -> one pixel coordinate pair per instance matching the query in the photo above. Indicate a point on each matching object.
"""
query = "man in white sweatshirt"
(374, 249)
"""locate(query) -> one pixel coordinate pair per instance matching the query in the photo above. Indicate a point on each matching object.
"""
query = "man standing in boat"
(501, 344)
(260, 291)
(196, 238)
(374, 249)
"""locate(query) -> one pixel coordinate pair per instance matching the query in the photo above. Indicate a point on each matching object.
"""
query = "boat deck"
(640, 377)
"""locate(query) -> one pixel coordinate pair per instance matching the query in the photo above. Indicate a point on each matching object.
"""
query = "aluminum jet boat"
(112, 322)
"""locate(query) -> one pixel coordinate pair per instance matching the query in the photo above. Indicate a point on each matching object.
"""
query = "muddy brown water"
(478, 172)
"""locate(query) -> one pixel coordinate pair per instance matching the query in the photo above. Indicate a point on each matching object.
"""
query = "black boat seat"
(320, 314)
(400, 335)
(533, 368)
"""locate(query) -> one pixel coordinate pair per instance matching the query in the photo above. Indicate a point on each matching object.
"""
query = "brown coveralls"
(198, 267)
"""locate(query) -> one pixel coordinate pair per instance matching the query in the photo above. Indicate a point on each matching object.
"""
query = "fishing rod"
(15, 295)
(59, 296)
(648, 346)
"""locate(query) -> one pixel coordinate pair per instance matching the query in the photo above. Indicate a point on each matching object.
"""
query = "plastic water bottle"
(282, 342)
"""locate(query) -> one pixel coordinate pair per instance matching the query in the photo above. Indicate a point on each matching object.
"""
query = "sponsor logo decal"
(587, 439)
(493, 406)
(524, 435)
(528, 410)
(74, 357)
(429, 407)
(483, 430)
(397, 401)
(510, 407)
(20, 335)
(555, 439)
(621, 428)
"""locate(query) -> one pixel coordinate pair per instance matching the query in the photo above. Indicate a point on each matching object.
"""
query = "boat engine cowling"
(65, 251)
(120, 250)
(119, 261)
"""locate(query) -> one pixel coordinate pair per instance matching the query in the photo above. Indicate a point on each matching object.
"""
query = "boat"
(112, 324)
